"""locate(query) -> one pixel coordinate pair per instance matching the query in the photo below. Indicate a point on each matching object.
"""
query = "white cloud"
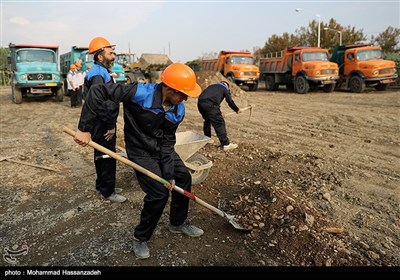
(19, 20)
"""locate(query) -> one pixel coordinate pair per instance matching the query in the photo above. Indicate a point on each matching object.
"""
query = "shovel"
(241, 110)
(227, 217)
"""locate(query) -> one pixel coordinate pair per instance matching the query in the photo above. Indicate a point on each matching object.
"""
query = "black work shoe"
(140, 249)
(187, 229)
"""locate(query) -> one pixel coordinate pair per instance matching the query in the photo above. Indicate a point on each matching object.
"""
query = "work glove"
(109, 134)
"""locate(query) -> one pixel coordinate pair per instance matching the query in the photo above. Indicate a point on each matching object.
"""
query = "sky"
(184, 30)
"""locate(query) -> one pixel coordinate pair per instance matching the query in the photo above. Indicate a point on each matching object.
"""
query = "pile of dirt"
(286, 201)
(206, 78)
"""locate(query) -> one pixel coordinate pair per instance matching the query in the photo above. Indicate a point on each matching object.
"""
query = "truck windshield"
(312, 56)
(36, 56)
(88, 57)
(126, 59)
(242, 60)
(369, 54)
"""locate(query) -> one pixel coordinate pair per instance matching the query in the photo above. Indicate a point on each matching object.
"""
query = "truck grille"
(386, 71)
(250, 73)
(39, 77)
(327, 71)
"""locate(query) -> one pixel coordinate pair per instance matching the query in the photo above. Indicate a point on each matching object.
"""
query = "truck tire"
(16, 94)
(253, 87)
(270, 83)
(231, 79)
(356, 84)
(66, 92)
(381, 87)
(329, 88)
(59, 96)
(301, 85)
(200, 175)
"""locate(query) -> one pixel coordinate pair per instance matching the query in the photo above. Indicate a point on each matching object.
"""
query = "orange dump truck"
(301, 69)
(238, 67)
(362, 65)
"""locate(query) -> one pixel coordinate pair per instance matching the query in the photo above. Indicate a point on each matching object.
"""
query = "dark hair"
(96, 54)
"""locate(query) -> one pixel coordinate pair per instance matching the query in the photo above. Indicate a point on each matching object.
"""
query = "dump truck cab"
(35, 72)
(363, 65)
(238, 67)
(313, 65)
(299, 68)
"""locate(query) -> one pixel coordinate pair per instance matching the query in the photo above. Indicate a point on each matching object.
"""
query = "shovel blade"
(232, 221)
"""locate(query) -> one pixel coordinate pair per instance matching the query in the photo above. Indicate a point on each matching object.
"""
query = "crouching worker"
(152, 114)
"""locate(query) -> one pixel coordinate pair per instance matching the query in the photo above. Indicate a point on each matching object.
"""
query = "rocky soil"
(316, 178)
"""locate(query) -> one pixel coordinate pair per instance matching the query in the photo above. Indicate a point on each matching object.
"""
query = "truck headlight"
(56, 77)
(375, 73)
(22, 77)
(317, 73)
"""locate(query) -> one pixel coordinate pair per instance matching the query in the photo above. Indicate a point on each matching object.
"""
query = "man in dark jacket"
(209, 104)
(103, 129)
(152, 114)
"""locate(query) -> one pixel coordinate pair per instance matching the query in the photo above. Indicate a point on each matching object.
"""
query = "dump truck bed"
(154, 62)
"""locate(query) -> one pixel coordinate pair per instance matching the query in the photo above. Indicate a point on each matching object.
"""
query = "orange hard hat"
(182, 78)
(72, 67)
(98, 44)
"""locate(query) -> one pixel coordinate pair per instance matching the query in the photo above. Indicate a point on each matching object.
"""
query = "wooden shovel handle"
(148, 173)
(120, 158)
(241, 110)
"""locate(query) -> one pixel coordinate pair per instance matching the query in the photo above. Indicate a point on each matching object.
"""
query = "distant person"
(85, 90)
(80, 79)
(152, 114)
(103, 129)
(72, 85)
(208, 104)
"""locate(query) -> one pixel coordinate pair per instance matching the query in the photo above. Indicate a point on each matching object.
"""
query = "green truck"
(35, 72)
(82, 54)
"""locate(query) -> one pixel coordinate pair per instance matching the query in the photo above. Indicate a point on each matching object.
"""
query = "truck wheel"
(301, 84)
(16, 95)
(66, 92)
(329, 88)
(357, 84)
(230, 79)
(270, 83)
(381, 87)
(253, 87)
(60, 94)
(200, 175)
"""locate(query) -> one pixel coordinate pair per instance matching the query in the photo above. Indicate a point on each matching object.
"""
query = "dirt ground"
(316, 177)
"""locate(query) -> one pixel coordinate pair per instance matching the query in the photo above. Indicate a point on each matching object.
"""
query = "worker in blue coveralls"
(152, 114)
(103, 129)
